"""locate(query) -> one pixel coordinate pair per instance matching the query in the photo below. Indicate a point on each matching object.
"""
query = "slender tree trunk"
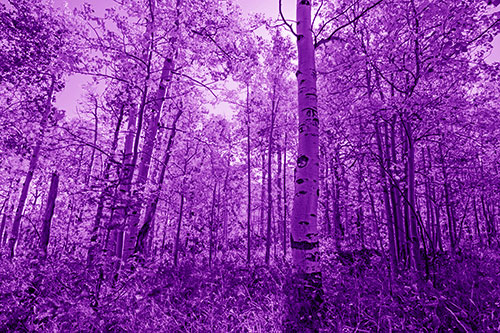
(388, 212)
(211, 226)
(395, 190)
(106, 193)
(94, 144)
(5, 211)
(359, 210)
(249, 179)
(391, 190)
(415, 244)
(31, 170)
(279, 186)
(285, 202)
(147, 152)
(49, 212)
(486, 216)
(263, 195)
(339, 229)
(306, 296)
(476, 215)
(178, 233)
(151, 209)
(328, 194)
(120, 211)
(8, 218)
(269, 184)
(225, 210)
(448, 203)
(3, 226)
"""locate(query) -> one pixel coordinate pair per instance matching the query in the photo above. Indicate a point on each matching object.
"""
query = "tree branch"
(286, 22)
(331, 37)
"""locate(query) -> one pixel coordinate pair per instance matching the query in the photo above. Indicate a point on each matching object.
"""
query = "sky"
(68, 98)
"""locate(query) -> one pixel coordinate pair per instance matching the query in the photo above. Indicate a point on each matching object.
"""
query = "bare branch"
(331, 37)
(198, 82)
(286, 22)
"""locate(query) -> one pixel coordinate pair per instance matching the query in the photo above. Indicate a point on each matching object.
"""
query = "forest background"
(158, 159)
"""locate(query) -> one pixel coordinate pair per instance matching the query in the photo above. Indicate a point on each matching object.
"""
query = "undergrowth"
(462, 296)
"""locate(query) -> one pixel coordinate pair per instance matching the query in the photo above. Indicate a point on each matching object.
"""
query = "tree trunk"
(211, 226)
(151, 209)
(285, 202)
(415, 243)
(178, 233)
(117, 223)
(49, 212)
(249, 180)
(263, 195)
(359, 210)
(328, 194)
(476, 215)
(5, 211)
(269, 183)
(94, 145)
(339, 229)
(279, 198)
(395, 192)
(306, 296)
(147, 152)
(106, 193)
(388, 212)
(31, 170)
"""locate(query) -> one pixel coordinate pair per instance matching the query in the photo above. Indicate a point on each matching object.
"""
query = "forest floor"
(462, 295)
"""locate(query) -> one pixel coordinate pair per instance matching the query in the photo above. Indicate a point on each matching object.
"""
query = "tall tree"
(304, 240)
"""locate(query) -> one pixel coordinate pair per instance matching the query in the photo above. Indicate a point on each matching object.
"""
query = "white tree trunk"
(304, 227)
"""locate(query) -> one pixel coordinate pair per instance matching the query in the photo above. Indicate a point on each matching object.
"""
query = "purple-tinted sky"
(68, 99)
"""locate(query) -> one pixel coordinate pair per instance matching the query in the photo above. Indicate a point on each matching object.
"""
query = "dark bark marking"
(302, 161)
(304, 245)
(300, 181)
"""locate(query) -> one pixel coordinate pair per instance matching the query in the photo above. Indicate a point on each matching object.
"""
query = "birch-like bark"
(249, 179)
(166, 77)
(122, 197)
(31, 170)
(151, 208)
(49, 212)
(307, 293)
(269, 184)
(106, 193)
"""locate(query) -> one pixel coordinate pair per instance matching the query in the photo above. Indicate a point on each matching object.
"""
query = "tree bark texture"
(306, 295)
(147, 152)
(49, 212)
